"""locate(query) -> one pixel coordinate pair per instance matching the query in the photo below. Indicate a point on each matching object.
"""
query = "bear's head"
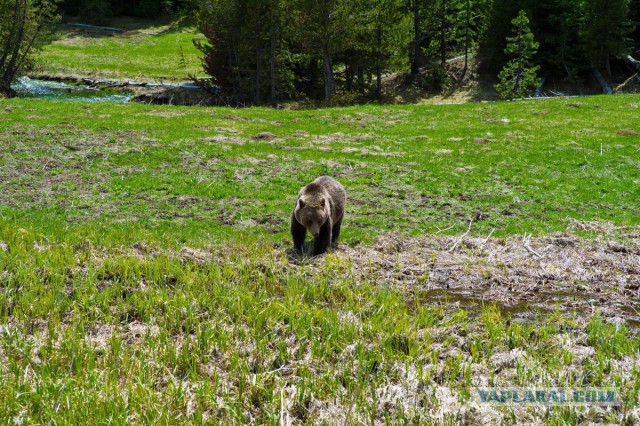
(312, 211)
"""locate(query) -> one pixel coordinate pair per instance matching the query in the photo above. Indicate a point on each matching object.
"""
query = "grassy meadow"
(150, 51)
(146, 271)
(521, 167)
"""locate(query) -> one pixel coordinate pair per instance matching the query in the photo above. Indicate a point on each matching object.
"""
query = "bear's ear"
(322, 203)
(301, 204)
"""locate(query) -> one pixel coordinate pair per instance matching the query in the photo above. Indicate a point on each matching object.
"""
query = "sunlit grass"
(145, 277)
(96, 332)
(198, 173)
(148, 52)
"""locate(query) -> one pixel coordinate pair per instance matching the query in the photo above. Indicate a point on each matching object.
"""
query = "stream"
(40, 89)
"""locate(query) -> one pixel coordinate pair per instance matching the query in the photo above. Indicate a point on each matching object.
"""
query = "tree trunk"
(360, 78)
(379, 65)
(272, 55)
(6, 91)
(327, 70)
(606, 89)
(443, 34)
(10, 69)
(417, 39)
(272, 73)
(566, 68)
(348, 77)
(236, 76)
(466, 45)
(538, 91)
(16, 27)
(258, 75)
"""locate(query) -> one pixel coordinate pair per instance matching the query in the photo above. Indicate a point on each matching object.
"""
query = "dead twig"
(461, 237)
(488, 236)
(626, 83)
(445, 229)
(526, 241)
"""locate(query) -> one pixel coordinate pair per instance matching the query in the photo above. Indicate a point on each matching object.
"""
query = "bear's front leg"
(322, 241)
(298, 232)
(336, 231)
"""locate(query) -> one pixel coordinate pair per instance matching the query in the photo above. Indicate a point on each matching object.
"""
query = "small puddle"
(41, 89)
(568, 303)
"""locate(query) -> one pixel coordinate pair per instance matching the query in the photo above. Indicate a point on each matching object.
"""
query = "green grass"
(147, 51)
(144, 273)
(195, 172)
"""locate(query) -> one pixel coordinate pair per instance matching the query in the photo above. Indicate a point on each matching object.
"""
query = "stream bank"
(93, 90)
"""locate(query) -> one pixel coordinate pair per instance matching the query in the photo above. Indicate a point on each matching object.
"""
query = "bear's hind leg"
(298, 232)
(323, 240)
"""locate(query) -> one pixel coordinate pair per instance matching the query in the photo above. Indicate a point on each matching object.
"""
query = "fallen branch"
(631, 60)
(626, 82)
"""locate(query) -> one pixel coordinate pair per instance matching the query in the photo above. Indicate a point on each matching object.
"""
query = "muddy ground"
(523, 275)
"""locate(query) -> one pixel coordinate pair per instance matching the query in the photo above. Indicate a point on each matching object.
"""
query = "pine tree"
(94, 11)
(518, 77)
(446, 23)
(243, 52)
(382, 32)
(493, 39)
(634, 16)
(605, 31)
(556, 26)
(325, 29)
(416, 46)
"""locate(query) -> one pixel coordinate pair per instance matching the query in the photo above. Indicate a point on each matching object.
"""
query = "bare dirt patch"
(233, 140)
(483, 140)
(264, 136)
(300, 133)
(628, 132)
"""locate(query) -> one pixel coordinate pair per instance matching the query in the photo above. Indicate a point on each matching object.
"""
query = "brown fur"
(319, 210)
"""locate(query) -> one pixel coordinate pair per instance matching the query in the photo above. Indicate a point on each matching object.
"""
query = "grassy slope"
(151, 52)
(107, 317)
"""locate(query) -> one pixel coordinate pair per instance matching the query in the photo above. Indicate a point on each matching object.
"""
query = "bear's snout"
(314, 229)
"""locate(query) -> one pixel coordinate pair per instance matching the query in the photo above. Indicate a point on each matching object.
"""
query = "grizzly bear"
(319, 210)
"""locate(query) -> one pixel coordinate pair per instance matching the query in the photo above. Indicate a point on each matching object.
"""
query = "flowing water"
(31, 88)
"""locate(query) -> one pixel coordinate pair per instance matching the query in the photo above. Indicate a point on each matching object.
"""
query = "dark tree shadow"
(122, 27)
